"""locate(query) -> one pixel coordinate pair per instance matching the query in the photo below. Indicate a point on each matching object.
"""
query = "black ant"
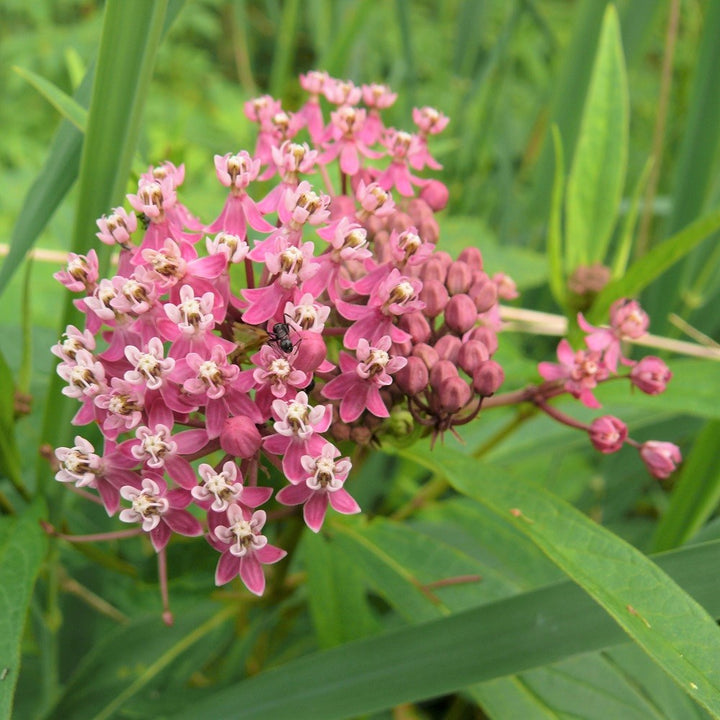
(281, 335)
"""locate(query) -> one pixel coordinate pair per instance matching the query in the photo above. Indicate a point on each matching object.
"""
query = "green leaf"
(693, 390)
(697, 493)
(667, 623)
(336, 594)
(130, 39)
(389, 578)
(444, 655)
(68, 107)
(131, 658)
(22, 549)
(555, 237)
(284, 48)
(598, 169)
(643, 271)
(10, 464)
(625, 241)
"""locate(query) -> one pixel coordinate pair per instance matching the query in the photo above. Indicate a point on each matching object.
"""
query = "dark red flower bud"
(240, 437)
(473, 257)
(488, 377)
(441, 371)
(427, 354)
(448, 347)
(453, 394)
(435, 297)
(416, 324)
(459, 277)
(419, 211)
(460, 313)
(471, 354)
(486, 336)
(400, 221)
(484, 293)
(433, 269)
(413, 378)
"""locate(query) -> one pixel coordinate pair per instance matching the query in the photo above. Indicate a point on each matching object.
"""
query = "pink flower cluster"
(579, 373)
(346, 313)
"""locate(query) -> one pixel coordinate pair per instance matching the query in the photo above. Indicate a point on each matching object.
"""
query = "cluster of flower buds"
(311, 316)
(579, 373)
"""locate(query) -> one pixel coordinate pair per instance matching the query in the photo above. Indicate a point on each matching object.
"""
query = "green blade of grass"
(68, 107)
(555, 230)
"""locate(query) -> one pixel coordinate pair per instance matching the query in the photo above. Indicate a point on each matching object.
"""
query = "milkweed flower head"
(350, 315)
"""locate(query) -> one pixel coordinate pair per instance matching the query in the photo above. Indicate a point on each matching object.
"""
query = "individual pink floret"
(81, 273)
(581, 371)
(244, 549)
(297, 426)
(323, 485)
(651, 375)
(223, 488)
(358, 386)
(161, 511)
(116, 228)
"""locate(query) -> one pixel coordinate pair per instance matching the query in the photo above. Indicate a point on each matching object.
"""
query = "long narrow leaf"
(666, 622)
(22, 548)
(555, 229)
(68, 107)
(597, 173)
(642, 272)
(445, 655)
(131, 35)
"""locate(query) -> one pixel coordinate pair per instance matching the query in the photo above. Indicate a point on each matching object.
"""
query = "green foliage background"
(362, 631)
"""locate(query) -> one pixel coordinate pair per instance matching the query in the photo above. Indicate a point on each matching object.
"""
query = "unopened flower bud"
(435, 297)
(488, 377)
(448, 347)
(471, 354)
(440, 372)
(400, 221)
(473, 257)
(484, 293)
(429, 230)
(486, 336)
(240, 437)
(419, 210)
(340, 430)
(402, 348)
(435, 194)
(361, 435)
(433, 270)
(460, 313)
(311, 351)
(381, 245)
(459, 277)
(453, 394)
(506, 287)
(413, 378)
(660, 458)
(607, 434)
(589, 280)
(651, 375)
(416, 324)
(427, 354)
